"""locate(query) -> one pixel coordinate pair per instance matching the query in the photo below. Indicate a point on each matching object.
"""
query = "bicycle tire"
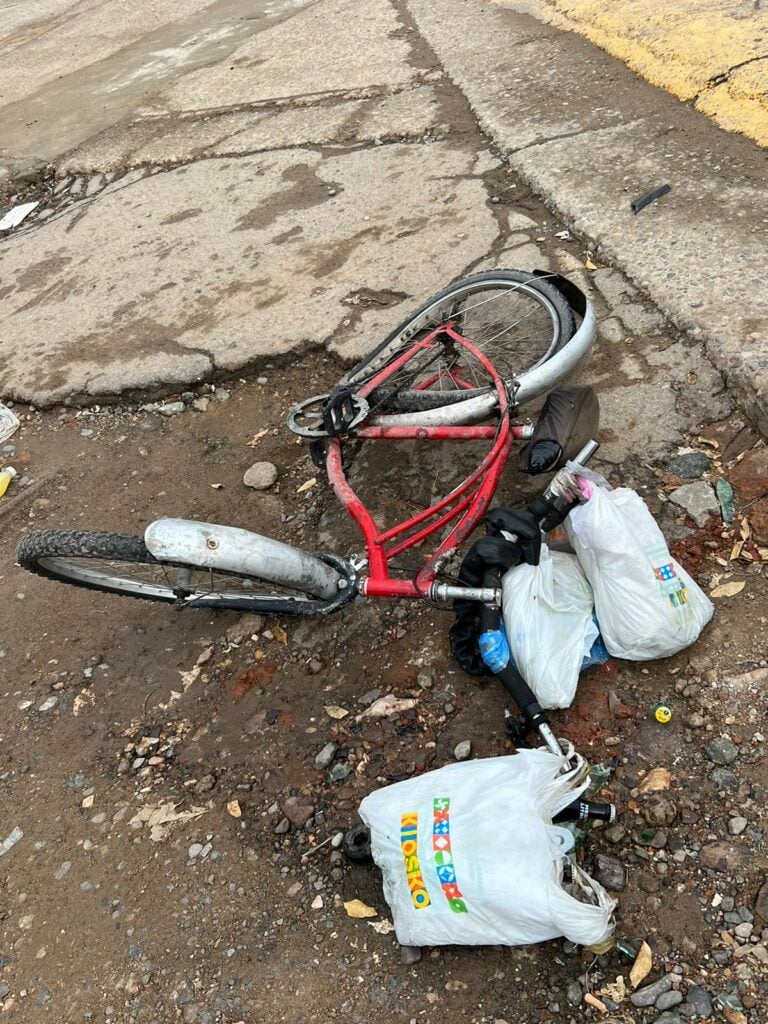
(63, 556)
(402, 399)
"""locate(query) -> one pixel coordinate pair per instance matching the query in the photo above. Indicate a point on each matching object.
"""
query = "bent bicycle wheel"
(517, 320)
(120, 564)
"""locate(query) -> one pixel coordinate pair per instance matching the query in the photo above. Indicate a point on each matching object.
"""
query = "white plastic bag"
(469, 855)
(547, 610)
(646, 603)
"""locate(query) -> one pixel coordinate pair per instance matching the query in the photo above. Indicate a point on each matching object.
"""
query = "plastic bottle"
(6, 475)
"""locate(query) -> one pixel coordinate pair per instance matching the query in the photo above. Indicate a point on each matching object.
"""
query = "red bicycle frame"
(465, 504)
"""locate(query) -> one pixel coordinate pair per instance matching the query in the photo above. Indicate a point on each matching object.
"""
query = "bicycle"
(450, 367)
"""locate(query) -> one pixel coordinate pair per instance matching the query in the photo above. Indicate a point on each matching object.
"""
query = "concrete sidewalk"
(583, 131)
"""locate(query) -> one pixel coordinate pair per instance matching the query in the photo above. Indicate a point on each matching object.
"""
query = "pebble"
(339, 772)
(195, 850)
(743, 930)
(200, 404)
(86, 432)
(698, 500)
(325, 758)
(737, 825)
(574, 993)
(701, 1001)
(317, 903)
(206, 784)
(425, 679)
(648, 995)
(410, 955)
(171, 408)
(724, 779)
(721, 750)
(659, 809)
(610, 872)
(63, 871)
(221, 395)
(282, 826)
(260, 476)
(337, 840)
(4, 990)
(369, 697)
(49, 703)
(462, 750)
(297, 812)
(690, 465)
(669, 999)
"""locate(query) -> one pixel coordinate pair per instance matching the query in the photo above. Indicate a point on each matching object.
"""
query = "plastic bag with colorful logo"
(646, 603)
(469, 855)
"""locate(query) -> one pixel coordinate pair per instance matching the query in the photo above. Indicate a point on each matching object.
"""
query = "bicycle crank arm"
(230, 549)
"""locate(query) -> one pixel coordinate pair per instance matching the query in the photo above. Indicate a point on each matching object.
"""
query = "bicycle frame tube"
(464, 505)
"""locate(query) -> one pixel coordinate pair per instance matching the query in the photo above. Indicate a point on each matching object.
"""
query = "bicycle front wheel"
(119, 564)
(518, 321)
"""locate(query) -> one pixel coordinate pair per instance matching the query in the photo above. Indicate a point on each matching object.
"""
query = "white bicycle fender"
(230, 549)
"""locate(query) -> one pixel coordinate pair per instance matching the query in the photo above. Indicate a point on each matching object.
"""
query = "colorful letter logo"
(441, 844)
(409, 828)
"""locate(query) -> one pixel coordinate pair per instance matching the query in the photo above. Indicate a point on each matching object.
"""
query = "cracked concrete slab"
(162, 140)
(699, 252)
(221, 263)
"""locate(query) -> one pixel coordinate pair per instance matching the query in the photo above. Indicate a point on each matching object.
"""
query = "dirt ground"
(112, 705)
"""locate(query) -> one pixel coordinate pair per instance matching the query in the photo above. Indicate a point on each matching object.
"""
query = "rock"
(4, 990)
(669, 999)
(462, 750)
(737, 825)
(701, 1001)
(696, 721)
(648, 883)
(48, 704)
(282, 827)
(368, 698)
(171, 408)
(725, 780)
(689, 466)
(194, 851)
(425, 679)
(339, 772)
(297, 812)
(325, 757)
(648, 995)
(614, 833)
(260, 476)
(574, 993)
(315, 666)
(743, 930)
(206, 784)
(698, 500)
(200, 404)
(410, 955)
(761, 903)
(245, 626)
(610, 872)
(221, 395)
(659, 809)
(723, 856)
(721, 750)
(750, 476)
(758, 520)
(668, 1018)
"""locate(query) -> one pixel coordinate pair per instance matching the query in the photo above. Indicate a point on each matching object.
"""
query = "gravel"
(669, 999)
(324, 758)
(721, 750)
(701, 1001)
(462, 750)
(260, 476)
(648, 995)
(610, 872)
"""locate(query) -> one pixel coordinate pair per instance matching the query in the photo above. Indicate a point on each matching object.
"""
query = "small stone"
(659, 809)
(647, 996)
(86, 432)
(610, 872)
(262, 380)
(337, 840)
(221, 395)
(669, 999)
(761, 903)
(369, 697)
(339, 772)
(701, 1001)
(282, 826)
(648, 883)
(260, 476)
(206, 784)
(63, 871)
(696, 721)
(574, 993)
(200, 404)
(721, 750)
(296, 812)
(325, 758)
(462, 750)
(724, 857)
(315, 666)
(48, 704)
(317, 903)
(743, 930)
(425, 679)
(725, 780)
(195, 850)
(689, 466)
(171, 408)
(737, 825)
(4, 990)
(698, 500)
(614, 833)
(410, 955)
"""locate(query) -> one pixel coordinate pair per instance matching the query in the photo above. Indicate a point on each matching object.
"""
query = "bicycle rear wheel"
(120, 564)
(519, 321)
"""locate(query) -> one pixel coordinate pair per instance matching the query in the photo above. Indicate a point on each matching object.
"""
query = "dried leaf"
(256, 438)
(160, 817)
(708, 441)
(763, 552)
(655, 781)
(728, 589)
(306, 485)
(736, 550)
(334, 711)
(358, 909)
(744, 529)
(233, 808)
(598, 1004)
(217, 487)
(382, 927)
(590, 265)
(641, 968)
